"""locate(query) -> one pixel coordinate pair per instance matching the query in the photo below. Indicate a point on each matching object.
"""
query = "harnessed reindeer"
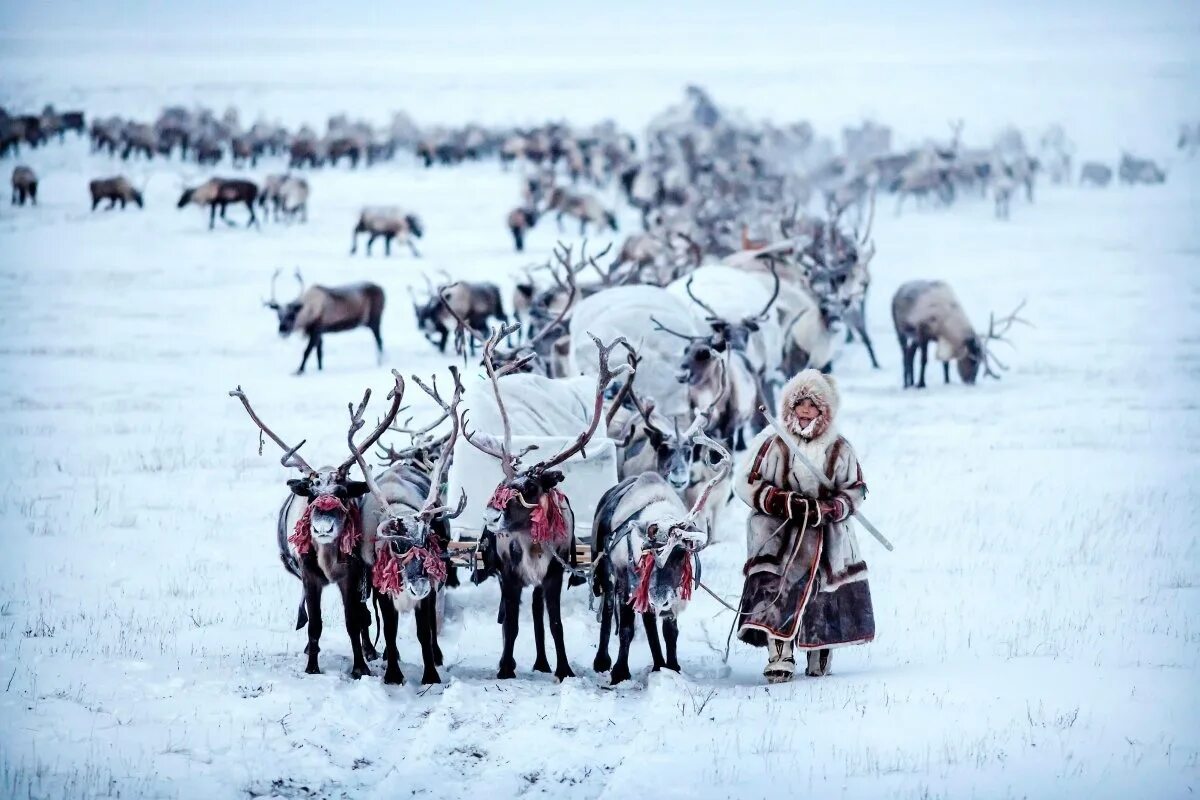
(645, 560)
(405, 526)
(323, 545)
(718, 372)
(529, 525)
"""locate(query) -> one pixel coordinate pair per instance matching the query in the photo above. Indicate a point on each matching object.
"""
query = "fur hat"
(821, 389)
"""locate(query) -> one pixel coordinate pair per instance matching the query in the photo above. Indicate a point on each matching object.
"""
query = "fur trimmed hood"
(822, 390)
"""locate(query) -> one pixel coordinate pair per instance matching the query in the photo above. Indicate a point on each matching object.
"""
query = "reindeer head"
(331, 514)
(409, 545)
(286, 312)
(528, 500)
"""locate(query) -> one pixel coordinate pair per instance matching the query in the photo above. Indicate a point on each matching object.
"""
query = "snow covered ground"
(1039, 622)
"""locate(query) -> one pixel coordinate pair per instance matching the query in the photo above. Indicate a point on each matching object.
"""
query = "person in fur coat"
(806, 583)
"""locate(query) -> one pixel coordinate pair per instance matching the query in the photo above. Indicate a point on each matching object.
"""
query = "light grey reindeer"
(928, 311)
(645, 560)
(405, 531)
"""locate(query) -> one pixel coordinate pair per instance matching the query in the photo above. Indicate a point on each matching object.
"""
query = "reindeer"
(404, 528)
(719, 372)
(925, 311)
(583, 207)
(290, 198)
(1139, 170)
(529, 526)
(218, 193)
(114, 190)
(461, 305)
(1095, 173)
(329, 309)
(138, 138)
(645, 560)
(24, 186)
(521, 221)
(319, 539)
(388, 222)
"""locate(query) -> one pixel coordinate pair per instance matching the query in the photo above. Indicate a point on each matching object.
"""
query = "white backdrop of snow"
(1038, 624)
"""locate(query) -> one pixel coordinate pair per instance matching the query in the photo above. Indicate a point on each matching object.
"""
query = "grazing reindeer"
(585, 208)
(520, 221)
(24, 186)
(926, 311)
(466, 307)
(1095, 173)
(329, 309)
(404, 528)
(389, 223)
(319, 540)
(114, 190)
(218, 193)
(645, 557)
(529, 526)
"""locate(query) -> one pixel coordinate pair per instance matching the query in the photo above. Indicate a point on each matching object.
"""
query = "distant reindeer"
(1095, 173)
(520, 221)
(928, 311)
(585, 208)
(114, 190)
(24, 186)
(329, 309)
(1139, 170)
(320, 539)
(646, 549)
(461, 307)
(218, 194)
(389, 222)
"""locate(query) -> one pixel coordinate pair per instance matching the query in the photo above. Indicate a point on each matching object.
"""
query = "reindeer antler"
(994, 335)
(723, 467)
(688, 288)
(356, 420)
(431, 509)
(291, 458)
(604, 377)
(507, 461)
(774, 293)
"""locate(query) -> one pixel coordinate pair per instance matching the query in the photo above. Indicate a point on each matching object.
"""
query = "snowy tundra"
(1039, 622)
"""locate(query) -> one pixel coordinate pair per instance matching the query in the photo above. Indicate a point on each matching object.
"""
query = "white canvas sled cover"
(544, 412)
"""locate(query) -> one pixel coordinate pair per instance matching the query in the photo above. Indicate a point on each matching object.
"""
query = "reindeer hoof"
(360, 671)
(393, 678)
(541, 665)
(619, 674)
(431, 677)
(506, 673)
(371, 654)
(312, 669)
(674, 667)
(563, 672)
(602, 663)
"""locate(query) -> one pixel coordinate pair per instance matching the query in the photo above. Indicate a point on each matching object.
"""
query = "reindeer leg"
(387, 245)
(370, 241)
(426, 616)
(866, 340)
(603, 662)
(374, 325)
(253, 219)
(413, 247)
(671, 635)
(354, 242)
(510, 607)
(946, 372)
(540, 663)
(312, 344)
(212, 216)
(312, 601)
(650, 622)
(924, 361)
(368, 648)
(907, 351)
(553, 586)
(392, 673)
(350, 604)
(620, 670)
(320, 352)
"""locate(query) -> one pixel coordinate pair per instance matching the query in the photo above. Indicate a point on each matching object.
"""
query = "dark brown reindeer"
(218, 194)
(114, 190)
(405, 528)
(645, 551)
(24, 186)
(319, 310)
(460, 306)
(320, 538)
(928, 311)
(529, 527)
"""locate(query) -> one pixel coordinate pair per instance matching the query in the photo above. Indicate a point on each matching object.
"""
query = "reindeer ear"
(751, 325)
(300, 486)
(551, 479)
(654, 435)
(356, 489)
